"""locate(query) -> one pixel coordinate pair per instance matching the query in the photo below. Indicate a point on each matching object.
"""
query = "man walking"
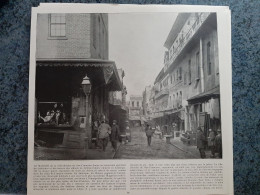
(103, 133)
(149, 132)
(201, 140)
(114, 135)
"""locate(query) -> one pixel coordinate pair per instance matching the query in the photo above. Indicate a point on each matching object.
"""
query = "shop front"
(69, 97)
(204, 111)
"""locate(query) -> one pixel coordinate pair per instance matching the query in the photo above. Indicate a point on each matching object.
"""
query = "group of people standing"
(54, 116)
(105, 132)
(214, 142)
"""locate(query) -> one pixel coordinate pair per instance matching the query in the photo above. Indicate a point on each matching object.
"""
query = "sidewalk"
(187, 148)
(44, 153)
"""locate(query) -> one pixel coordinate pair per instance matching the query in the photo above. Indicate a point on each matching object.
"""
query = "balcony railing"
(186, 38)
(161, 93)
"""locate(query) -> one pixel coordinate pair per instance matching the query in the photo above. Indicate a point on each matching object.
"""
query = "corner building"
(73, 71)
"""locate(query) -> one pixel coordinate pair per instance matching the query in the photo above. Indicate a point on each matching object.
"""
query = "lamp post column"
(86, 85)
(88, 125)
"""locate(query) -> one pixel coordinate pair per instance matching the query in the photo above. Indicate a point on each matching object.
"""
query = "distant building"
(73, 73)
(187, 88)
(135, 106)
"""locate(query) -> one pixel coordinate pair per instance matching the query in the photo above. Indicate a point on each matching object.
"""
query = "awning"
(109, 68)
(202, 97)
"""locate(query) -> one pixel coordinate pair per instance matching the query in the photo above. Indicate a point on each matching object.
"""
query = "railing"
(164, 91)
(195, 26)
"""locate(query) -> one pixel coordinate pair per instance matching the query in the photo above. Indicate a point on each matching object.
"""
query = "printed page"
(130, 99)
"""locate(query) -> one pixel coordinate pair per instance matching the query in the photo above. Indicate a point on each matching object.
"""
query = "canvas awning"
(202, 97)
(109, 69)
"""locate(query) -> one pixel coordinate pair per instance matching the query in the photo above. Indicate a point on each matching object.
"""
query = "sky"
(136, 45)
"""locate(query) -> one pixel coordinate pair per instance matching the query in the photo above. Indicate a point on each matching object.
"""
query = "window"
(185, 78)
(177, 75)
(198, 64)
(208, 58)
(180, 73)
(189, 71)
(171, 79)
(57, 25)
(133, 104)
(137, 104)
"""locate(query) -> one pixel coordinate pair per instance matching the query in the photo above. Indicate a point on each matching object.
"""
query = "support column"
(201, 67)
(88, 125)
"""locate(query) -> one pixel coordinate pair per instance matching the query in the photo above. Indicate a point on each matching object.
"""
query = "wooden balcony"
(187, 37)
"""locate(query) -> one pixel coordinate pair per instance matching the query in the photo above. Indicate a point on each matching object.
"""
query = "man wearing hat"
(114, 135)
(218, 143)
(104, 130)
(211, 142)
(201, 142)
(149, 132)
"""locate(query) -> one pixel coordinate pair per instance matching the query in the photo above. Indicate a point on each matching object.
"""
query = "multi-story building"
(73, 75)
(146, 101)
(135, 110)
(188, 85)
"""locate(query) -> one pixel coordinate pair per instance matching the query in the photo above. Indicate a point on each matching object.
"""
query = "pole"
(88, 128)
(201, 67)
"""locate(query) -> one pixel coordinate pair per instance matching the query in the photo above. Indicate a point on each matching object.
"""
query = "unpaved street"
(139, 149)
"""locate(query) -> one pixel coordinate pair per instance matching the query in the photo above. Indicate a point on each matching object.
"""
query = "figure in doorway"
(114, 135)
(104, 131)
(201, 142)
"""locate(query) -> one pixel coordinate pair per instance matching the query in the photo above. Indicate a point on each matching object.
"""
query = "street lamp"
(86, 86)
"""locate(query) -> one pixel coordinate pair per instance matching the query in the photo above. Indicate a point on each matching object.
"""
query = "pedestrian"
(201, 142)
(114, 135)
(218, 143)
(149, 132)
(104, 131)
(211, 142)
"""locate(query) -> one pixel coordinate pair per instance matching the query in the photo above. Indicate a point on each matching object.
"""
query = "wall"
(76, 44)
(99, 36)
(211, 80)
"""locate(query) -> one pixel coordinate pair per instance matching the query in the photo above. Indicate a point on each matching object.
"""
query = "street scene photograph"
(127, 86)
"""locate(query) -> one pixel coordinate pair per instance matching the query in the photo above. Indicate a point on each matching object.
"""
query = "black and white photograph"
(127, 86)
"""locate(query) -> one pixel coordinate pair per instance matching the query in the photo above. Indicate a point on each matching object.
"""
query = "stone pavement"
(192, 150)
(56, 153)
(139, 149)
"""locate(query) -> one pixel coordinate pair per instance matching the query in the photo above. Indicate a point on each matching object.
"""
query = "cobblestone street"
(159, 149)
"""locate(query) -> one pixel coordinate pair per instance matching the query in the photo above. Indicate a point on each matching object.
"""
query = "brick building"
(73, 75)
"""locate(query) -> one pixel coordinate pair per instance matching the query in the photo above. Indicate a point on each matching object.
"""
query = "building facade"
(118, 109)
(73, 75)
(146, 101)
(187, 89)
(135, 106)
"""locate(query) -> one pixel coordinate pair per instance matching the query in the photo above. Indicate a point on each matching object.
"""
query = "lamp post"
(86, 86)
